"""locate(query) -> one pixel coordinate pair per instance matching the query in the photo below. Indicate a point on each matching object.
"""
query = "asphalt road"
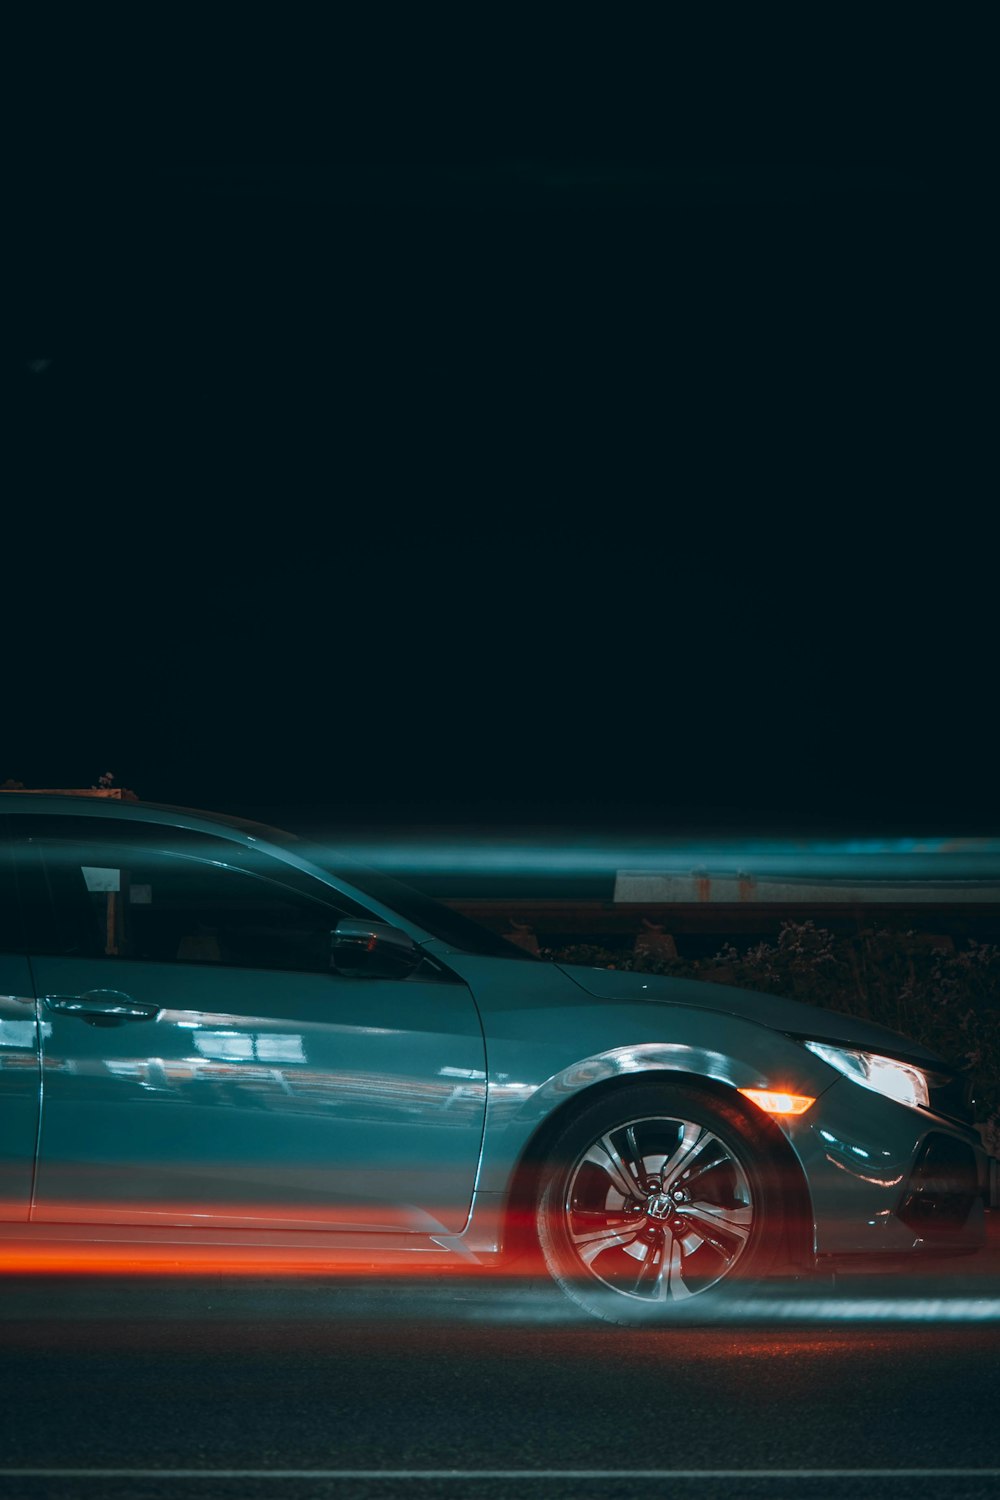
(237, 1387)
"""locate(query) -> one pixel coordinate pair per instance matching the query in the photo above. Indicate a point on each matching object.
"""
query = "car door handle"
(102, 1003)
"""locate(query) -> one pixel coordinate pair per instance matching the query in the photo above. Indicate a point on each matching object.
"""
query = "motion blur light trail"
(513, 1293)
(871, 1309)
(183, 1260)
(588, 854)
(335, 1298)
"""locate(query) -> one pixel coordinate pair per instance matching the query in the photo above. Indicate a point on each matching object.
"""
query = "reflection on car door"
(206, 1068)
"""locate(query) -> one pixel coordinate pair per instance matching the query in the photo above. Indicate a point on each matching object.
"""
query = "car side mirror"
(372, 950)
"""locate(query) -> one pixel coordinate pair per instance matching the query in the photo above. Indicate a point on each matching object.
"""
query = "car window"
(128, 891)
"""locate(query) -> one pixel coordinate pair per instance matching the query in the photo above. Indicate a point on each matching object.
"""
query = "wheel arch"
(517, 1232)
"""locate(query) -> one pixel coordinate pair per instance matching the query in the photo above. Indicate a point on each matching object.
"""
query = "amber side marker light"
(779, 1104)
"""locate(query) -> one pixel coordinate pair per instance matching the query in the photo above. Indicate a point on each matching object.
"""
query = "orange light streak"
(56, 1259)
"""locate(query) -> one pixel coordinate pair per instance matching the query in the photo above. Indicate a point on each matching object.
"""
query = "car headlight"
(886, 1075)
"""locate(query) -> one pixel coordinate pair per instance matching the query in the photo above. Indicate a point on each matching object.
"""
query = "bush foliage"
(947, 998)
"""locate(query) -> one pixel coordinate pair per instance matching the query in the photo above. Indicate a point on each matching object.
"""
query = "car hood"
(790, 1016)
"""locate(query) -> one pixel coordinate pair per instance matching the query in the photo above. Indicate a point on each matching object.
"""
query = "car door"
(19, 1062)
(202, 1065)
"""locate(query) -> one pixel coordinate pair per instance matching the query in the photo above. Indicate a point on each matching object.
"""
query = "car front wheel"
(658, 1203)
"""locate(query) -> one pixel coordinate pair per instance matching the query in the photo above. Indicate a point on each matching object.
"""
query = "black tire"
(678, 1190)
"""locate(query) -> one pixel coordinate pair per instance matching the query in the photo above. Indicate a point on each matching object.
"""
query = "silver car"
(213, 1035)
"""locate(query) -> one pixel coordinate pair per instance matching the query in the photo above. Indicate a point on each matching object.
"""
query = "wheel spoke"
(605, 1215)
(677, 1289)
(670, 1285)
(694, 1140)
(604, 1154)
(594, 1242)
(695, 1174)
(651, 1267)
(734, 1222)
(637, 1165)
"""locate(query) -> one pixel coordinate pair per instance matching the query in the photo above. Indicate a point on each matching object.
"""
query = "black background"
(554, 422)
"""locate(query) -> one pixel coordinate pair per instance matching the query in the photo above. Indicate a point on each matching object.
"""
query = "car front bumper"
(886, 1179)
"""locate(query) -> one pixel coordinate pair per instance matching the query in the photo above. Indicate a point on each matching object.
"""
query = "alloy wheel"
(658, 1209)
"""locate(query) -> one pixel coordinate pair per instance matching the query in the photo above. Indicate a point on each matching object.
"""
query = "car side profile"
(213, 1033)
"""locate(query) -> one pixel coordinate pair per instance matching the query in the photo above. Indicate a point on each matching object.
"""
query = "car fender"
(530, 1079)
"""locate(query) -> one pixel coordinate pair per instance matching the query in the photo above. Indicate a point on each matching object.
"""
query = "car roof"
(134, 810)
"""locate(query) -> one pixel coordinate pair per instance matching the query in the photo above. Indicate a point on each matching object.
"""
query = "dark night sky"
(570, 428)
